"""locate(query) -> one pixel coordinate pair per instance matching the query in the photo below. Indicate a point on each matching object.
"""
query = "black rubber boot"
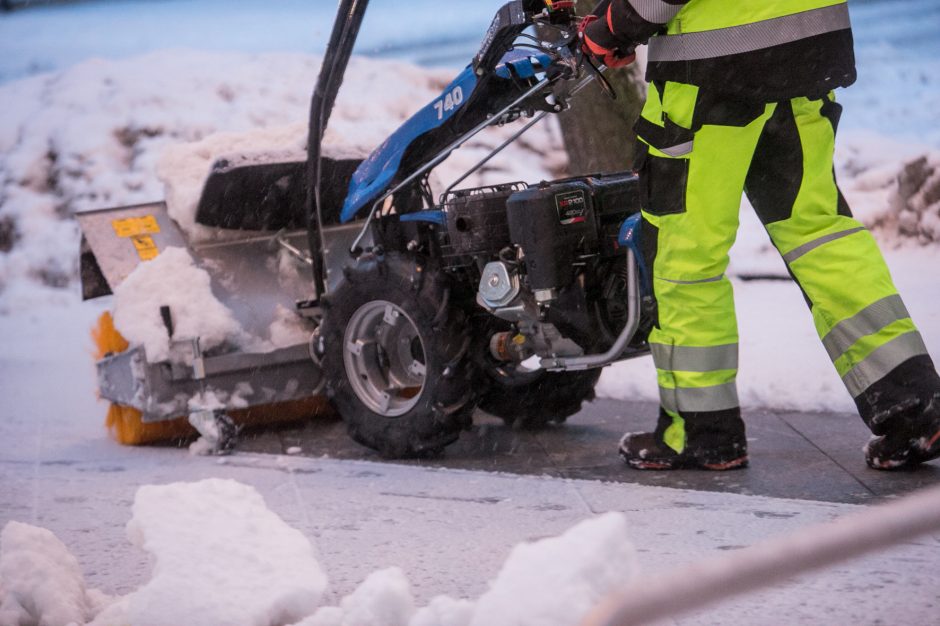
(714, 441)
(912, 435)
(903, 412)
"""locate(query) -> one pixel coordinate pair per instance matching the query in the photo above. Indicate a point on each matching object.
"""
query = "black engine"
(545, 257)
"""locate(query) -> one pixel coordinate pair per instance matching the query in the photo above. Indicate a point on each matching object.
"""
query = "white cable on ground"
(761, 565)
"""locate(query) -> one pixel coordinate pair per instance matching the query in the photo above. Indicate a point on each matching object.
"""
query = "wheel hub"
(384, 358)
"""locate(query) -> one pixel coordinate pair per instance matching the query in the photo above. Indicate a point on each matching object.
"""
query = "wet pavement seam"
(827, 455)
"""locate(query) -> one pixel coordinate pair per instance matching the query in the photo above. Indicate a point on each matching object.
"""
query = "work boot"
(713, 441)
(903, 412)
(911, 435)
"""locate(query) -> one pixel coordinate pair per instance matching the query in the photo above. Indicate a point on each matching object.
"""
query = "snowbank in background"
(40, 580)
(222, 557)
(92, 136)
(172, 279)
(892, 187)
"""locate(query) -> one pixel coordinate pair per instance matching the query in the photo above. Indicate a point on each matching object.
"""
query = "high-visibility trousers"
(697, 156)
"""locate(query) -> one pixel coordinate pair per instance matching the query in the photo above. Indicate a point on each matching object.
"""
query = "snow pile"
(557, 581)
(40, 581)
(183, 167)
(172, 279)
(892, 187)
(551, 582)
(220, 557)
(919, 197)
(444, 611)
(384, 597)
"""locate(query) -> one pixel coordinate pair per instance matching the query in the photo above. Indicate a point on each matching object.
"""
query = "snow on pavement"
(448, 532)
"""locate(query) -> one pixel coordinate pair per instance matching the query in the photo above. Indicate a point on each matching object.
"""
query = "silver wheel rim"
(384, 358)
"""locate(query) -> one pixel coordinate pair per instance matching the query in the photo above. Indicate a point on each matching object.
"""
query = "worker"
(741, 99)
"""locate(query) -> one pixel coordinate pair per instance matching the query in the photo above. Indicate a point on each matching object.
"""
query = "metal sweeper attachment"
(415, 309)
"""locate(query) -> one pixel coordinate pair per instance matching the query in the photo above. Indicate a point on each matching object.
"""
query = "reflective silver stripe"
(869, 320)
(713, 279)
(680, 150)
(879, 363)
(748, 37)
(655, 11)
(796, 253)
(694, 358)
(692, 399)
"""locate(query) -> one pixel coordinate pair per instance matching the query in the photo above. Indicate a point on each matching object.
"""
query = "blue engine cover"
(379, 171)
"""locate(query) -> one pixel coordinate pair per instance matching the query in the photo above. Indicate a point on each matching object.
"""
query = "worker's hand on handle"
(595, 43)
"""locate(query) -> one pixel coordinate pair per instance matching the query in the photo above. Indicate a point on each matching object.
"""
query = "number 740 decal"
(449, 102)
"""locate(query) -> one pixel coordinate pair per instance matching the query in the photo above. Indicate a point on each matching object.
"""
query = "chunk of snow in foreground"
(551, 582)
(222, 557)
(444, 611)
(40, 581)
(557, 581)
(384, 597)
(171, 279)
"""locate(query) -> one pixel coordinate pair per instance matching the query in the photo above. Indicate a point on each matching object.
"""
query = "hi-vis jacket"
(767, 50)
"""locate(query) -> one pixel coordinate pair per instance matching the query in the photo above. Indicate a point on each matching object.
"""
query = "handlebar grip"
(508, 24)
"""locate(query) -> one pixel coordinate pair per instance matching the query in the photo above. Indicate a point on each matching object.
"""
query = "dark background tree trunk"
(597, 131)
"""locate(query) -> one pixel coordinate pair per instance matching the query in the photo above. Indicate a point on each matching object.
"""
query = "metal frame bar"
(584, 82)
(349, 16)
(538, 118)
(443, 154)
(620, 345)
(646, 600)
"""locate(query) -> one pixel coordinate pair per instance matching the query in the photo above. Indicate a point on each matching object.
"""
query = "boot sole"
(671, 464)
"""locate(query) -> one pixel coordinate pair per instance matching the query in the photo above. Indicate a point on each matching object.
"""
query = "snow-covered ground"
(92, 133)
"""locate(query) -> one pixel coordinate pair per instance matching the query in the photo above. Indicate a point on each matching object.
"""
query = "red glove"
(611, 57)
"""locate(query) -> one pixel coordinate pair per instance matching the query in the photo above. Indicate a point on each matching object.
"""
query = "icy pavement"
(807, 456)
(449, 530)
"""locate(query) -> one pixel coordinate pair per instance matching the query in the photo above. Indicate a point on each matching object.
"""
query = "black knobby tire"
(530, 400)
(434, 415)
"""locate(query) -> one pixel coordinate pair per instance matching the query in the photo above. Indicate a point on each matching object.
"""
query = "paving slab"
(793, 455)
(841, 438)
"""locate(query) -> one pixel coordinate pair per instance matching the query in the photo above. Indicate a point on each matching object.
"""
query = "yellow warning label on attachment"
(134, 226)
(146, 248)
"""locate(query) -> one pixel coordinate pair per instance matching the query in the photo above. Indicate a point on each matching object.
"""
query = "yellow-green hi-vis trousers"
(699, 157)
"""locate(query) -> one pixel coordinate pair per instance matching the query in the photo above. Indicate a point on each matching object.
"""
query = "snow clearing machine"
(416, 308)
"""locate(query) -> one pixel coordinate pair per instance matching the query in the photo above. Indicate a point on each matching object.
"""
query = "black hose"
(349, 17)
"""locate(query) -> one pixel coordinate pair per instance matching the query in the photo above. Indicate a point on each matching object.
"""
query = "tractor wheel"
(396, 358)
(530, 399)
